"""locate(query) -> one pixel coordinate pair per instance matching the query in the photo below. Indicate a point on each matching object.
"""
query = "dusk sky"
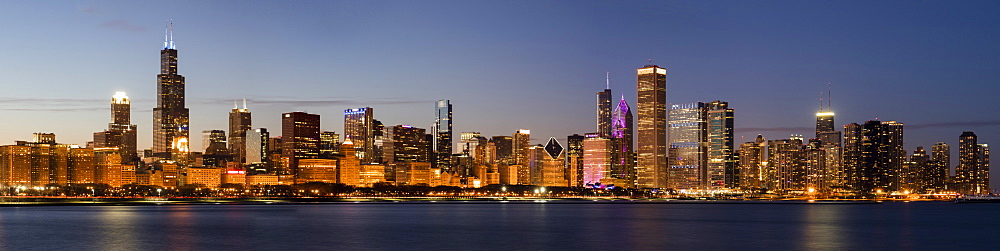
(505, 65)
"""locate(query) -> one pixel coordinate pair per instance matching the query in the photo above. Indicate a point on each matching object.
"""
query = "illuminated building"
(623, 156)
(121, 133)
(231, 176)
(973, 171)
(170, 117)
(300, 138)
(216, 153)
(317, 170)
(349, 166)
(202, 177)
(787, 158)
(329, 144)
(722, 171)
(239, 124)
(15, 165)
(262, 180)
(753, 164)
(574, 160)
(651, 106)
(413, 173)
(257, 148)
(548, 164)
(874, 156)
(688, 148)
(596, 159)
(938, 170)
(504, 149)
(359, 125)
(372, 174)
(443, 134)
(107, 166)
(521, 140)
(81, 166)
(604, 111)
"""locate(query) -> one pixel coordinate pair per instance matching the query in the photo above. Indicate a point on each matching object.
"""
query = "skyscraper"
(688, 152)
(574, 160)
(722, 171)
(170, 117)
(239, 123)
(604, 125)
(874, 156)
(256, 149)
(505, 148)
(596, 159)
(622, 137)
(121, 132)
(359, 126)
(300, 136)
(443, 135)
(651, 89)
(521, 142)
(972, 173)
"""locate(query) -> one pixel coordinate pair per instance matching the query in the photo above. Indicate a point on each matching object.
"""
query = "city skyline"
(852, 103)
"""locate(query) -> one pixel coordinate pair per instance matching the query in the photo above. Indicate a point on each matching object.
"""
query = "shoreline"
(43, 201)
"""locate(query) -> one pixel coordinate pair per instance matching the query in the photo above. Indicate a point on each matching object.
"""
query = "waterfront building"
(874, 156)
(753, 165)
(300, 138)
(651, 90)
(972, 173)
(521, 140)
(349, 166)
(257, 148)
(316, 170)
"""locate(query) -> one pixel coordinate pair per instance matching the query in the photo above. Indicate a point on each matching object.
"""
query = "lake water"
(541, 226)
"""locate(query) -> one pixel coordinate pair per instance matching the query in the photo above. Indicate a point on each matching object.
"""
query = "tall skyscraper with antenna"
(604, 109)
(239, 123)
(170, 117)
(826, 130)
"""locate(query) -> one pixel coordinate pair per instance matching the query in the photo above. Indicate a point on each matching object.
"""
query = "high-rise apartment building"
(874, 156)
(239, 123)
(973, 173)
(443, 134)
(300, 139)
(170, 117)
(651, 90)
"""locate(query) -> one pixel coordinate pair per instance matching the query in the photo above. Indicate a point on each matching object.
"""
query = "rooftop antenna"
(607, 80)
(168, 38)
(650, 61)
(234, 105)
(821, 101)
(244, 103)
(829, 97)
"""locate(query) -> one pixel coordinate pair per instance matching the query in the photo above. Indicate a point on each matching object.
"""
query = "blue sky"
(505, 65)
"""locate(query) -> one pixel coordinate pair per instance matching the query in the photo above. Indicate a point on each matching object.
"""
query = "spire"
(234, 105)
(168, 35)
(244, 103)
(821, 101)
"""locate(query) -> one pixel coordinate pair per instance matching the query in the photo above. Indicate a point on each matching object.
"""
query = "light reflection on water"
(503, 226)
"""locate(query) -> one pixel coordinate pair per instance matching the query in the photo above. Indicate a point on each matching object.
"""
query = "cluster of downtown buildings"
(676, 147)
